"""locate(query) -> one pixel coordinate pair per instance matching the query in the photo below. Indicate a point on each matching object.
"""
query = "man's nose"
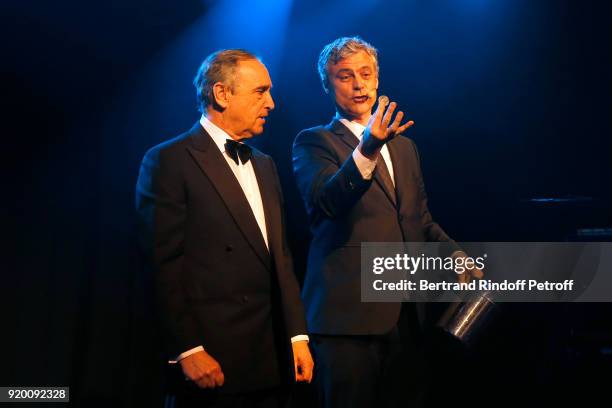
(358, 84)
(270, 102)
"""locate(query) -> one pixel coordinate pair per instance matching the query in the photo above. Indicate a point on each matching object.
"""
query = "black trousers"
(367, 371)
(269, 398)
(186, 394)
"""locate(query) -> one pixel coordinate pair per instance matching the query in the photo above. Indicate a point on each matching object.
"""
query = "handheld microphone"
(382, 98)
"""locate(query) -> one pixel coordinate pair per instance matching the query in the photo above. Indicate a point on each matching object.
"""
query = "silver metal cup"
(465, 320)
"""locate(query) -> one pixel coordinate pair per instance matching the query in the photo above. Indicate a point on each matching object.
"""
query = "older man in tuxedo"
(211, 212)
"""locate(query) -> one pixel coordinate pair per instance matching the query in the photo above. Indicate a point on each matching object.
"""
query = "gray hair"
(341, 48)
(220, 66)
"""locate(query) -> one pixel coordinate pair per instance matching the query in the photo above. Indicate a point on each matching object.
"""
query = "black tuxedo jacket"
(345, 210)
(217, 284)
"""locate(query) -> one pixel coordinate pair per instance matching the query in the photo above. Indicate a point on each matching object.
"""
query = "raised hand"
(381, 128)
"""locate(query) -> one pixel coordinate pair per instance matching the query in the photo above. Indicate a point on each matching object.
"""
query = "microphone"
(381, 99)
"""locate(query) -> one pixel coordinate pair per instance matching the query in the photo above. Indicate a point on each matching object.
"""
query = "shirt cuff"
(299, 337)
(186, 354)
(364, 165)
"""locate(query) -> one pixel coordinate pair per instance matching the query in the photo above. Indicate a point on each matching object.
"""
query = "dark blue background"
(511, 100)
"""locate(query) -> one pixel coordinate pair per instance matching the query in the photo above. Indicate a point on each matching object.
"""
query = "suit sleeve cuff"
(364, 165)
(299, 337)
(186, 354)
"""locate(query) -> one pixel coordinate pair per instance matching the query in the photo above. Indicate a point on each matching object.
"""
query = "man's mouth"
(360, 99)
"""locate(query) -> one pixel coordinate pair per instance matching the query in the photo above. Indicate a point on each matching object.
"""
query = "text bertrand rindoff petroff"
(458, 265)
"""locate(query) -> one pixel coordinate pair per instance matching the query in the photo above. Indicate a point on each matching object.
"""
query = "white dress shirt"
(245, 174)
(364, 165)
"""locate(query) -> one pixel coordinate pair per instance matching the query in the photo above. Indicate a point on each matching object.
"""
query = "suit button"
(229, 248)
(245, 299)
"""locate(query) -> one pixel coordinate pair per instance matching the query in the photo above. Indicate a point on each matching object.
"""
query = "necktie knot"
(236, 149)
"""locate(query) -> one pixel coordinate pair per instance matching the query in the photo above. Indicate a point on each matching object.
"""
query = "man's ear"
(221, 94)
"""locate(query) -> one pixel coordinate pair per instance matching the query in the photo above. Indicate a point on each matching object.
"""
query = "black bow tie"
(236, 149)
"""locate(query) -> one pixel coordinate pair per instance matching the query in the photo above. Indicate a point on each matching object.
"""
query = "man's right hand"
(203, 370)
(380, 129)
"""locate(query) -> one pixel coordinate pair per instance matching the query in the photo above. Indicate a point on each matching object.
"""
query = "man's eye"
(344, 77)
(366, 75)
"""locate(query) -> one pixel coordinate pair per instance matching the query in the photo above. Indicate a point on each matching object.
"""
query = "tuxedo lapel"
(351, 140)
(265, 176)
(215, 167)
(344, 133)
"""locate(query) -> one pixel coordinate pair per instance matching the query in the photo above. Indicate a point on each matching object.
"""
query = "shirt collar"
(355, 128)
(219, 136)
